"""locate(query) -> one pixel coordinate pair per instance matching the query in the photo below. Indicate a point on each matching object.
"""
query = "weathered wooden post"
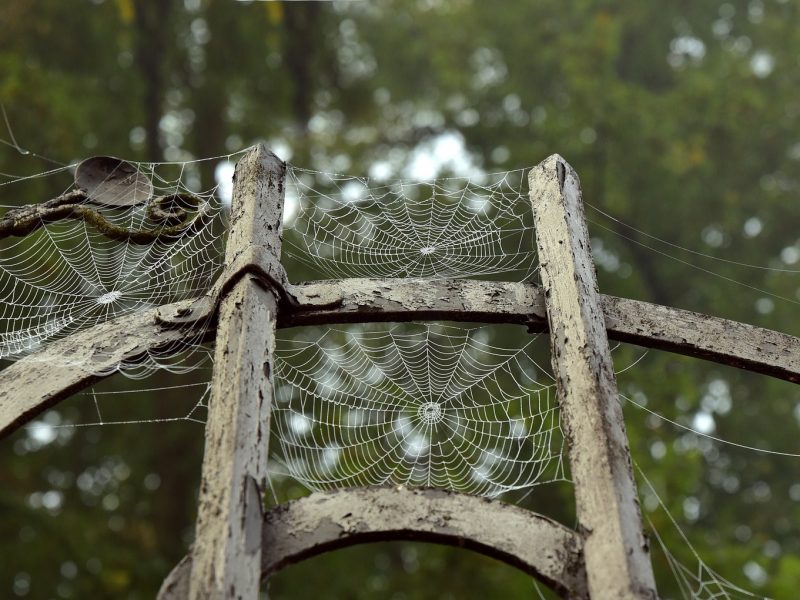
(615, 549)
(226, 556)
(227, 561)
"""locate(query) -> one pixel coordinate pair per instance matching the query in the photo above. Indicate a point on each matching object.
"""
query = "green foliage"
(680, 117)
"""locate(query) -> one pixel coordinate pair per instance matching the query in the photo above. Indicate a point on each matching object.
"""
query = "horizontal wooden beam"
(364, 300)
(703, 336)
(63, 367)
(327, 521)
(650, 325)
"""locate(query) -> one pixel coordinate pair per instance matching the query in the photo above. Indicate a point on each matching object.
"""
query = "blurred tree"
(681, 119)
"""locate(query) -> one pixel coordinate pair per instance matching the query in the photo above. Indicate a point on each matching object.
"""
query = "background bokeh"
(682, 119)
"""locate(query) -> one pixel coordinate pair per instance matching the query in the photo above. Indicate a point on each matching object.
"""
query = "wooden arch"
(606, 557)
(326, 521)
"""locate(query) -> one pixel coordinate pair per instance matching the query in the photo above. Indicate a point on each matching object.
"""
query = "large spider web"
(450, 227)
(433, 405)
(69, 274)
(74, 273)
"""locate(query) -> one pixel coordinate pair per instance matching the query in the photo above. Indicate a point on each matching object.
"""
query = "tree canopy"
(682, 120)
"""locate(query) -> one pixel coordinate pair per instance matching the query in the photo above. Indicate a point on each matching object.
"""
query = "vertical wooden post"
(616, 553)
(226, 556)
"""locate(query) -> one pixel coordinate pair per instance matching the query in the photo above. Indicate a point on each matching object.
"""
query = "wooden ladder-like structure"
(237, 546)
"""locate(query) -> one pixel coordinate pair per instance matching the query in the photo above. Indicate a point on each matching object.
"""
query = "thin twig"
(72, 205)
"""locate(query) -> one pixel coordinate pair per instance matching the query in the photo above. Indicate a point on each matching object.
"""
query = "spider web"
(451, 227)
(71, 274)
(68, 275)
(439, 406)
(434, 405)
(697, 581)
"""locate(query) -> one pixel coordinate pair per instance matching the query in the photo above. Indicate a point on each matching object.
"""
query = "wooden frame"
(326, 521)
(227, 548)
(615, 549)
(607, 555)
(44, 378)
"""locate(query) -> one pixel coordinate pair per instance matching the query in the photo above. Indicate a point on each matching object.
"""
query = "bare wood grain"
(616, 552)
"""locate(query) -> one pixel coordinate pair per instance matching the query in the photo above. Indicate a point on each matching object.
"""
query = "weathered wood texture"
(47, 376)
(65, 366)
(703, 336)
(681, 331)
(615, 550)
(226, 556)
(363, 300)
(328, 521)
